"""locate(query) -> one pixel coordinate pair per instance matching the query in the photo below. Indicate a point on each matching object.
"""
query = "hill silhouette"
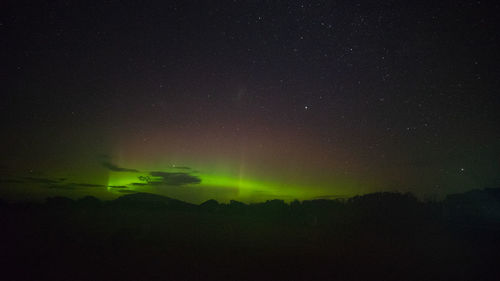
(148, 200)
(142, 236)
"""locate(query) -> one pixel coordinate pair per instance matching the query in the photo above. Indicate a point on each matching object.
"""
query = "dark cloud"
(41, 180)
(89, 185)
(173, 178)
(73, 185)
(62, 186)
(115, 168)
(139, 183)
(127, 191)
(117, 186)
(181, 167)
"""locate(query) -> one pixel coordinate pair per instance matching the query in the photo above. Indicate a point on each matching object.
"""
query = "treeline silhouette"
(141, 236)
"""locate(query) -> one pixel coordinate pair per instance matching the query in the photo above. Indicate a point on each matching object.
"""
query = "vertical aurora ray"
(247, 169)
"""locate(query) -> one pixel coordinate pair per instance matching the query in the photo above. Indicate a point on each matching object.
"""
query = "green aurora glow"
(220, 186)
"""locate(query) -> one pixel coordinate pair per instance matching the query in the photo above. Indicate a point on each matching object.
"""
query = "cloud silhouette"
(62, 186)
(181, 167)
(177, 179)
(73, 185)
(89, 184)
(116, 168)
(41, 180)
(127, 191)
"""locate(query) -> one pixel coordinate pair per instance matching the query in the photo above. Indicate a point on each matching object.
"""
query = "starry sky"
(248, 100)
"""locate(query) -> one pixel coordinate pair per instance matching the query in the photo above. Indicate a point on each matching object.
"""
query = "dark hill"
(143, 236)
(151, 201)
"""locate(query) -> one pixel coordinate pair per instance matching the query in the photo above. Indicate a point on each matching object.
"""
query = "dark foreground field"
(382, 236)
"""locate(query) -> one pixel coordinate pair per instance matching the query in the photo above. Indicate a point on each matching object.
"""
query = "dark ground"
(381, 236)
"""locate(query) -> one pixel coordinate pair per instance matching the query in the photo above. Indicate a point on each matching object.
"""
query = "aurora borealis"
(249, 100)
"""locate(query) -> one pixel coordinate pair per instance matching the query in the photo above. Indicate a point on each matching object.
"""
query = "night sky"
(248, 100)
